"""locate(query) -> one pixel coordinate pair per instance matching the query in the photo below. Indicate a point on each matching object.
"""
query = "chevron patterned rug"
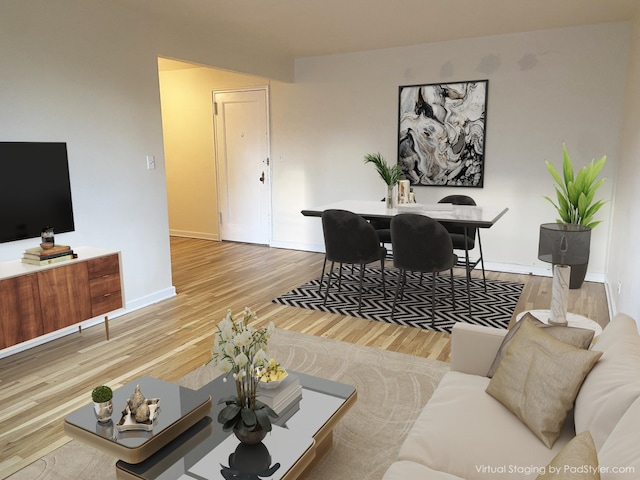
(491, 308)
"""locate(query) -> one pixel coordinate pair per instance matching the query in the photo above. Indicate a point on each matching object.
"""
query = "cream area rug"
(392, 389)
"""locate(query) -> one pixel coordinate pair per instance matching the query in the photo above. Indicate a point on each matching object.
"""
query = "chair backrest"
(349, 238)
(420, 244)
(453, 228)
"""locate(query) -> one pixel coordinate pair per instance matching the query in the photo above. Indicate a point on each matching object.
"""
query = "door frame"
(268, 169)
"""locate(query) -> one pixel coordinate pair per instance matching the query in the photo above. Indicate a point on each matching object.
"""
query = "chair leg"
(466, 255)
(469, 295)
(326, 293)
(340, 277)
(484, 279)
(360, 289)
(384, 284)
(453, 290)
(433, 298)
(404, 282)
(324, 266)
(402, 275)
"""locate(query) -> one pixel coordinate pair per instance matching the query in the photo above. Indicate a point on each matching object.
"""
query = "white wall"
(624, 253)
(85, 73)
(545, 88)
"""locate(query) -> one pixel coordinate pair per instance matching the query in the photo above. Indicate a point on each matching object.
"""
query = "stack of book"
(40, 256)
(284, 399)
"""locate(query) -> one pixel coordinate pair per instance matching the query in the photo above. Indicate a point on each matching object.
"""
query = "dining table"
(466, 216)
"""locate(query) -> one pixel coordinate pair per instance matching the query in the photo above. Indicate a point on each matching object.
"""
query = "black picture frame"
(442, 133)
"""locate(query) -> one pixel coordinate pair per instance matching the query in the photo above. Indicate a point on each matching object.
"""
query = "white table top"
(573, 320)
(478, 216)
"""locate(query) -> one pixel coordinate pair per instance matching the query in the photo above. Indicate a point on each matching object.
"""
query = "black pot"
(566, 244)
(250, 438)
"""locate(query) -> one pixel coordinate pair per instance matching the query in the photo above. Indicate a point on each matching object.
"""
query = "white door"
(242, 153)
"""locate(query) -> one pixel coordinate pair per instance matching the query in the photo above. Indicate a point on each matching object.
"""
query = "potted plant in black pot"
(576, 205)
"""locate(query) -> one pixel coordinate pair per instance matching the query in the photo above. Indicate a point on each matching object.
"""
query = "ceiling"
(304, 28)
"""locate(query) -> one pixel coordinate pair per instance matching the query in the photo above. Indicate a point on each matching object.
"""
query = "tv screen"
(35, 192)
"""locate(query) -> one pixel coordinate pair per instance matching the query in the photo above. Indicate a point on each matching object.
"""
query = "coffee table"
(205, 450)
(180, 409)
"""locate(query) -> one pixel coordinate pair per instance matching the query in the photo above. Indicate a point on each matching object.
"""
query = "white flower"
(243, 339)
(241, 360)
(260, 358)
(225, 365)
(238, 346)
(271, 329)
(229, 349)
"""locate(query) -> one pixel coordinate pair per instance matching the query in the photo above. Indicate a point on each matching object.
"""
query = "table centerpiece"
(240, 350)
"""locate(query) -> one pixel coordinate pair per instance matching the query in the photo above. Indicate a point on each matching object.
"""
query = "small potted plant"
(102, 403)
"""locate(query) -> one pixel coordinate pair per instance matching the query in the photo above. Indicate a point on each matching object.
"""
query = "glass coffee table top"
(180, 408)
(205, 451)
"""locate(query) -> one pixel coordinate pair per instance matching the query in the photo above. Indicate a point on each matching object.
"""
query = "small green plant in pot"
(102, 404)
(391, 176)
(575, 200)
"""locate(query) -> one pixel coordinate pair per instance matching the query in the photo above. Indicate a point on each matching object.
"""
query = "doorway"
(241, 139)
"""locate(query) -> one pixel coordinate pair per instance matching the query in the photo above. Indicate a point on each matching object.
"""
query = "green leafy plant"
(245, 417)
(102, 394)
(575, 194)
(390, 175)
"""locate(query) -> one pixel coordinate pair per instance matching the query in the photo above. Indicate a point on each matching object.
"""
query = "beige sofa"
(464, 433)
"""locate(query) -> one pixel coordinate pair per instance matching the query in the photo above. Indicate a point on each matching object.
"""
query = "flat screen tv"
(35, 192)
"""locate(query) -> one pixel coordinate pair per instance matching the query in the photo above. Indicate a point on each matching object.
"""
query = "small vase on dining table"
(392, 196)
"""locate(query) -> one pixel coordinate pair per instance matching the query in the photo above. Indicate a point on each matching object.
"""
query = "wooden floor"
(39, 387)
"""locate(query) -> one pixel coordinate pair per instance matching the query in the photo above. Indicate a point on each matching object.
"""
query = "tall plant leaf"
(576, 193)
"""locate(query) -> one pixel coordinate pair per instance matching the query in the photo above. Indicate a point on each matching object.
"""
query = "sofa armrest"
(473, 347)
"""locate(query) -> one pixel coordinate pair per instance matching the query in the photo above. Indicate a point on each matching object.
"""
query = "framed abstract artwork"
(441, 133)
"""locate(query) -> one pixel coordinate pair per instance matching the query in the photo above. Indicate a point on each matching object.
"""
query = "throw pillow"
(578, 460)
(578, 337)
(538, 379)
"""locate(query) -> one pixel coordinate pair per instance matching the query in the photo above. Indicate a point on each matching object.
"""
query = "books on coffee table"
(288, 392)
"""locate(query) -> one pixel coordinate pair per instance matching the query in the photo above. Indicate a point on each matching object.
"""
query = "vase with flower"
(240, 350)
(390, 174)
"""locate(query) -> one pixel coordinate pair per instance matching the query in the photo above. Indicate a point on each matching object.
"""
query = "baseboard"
(306, 247)
(145, 301)
(190, 234)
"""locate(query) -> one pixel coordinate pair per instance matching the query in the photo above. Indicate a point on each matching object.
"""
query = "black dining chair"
(464, 238)
(421, 244)
(382, 227)
(350, 239)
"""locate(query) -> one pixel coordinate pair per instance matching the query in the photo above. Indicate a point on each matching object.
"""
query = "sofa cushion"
(405, 470)
(578, 337)
(538, 379)
(578, 460)
(620, 455)
(468, 433)
(614, 383)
